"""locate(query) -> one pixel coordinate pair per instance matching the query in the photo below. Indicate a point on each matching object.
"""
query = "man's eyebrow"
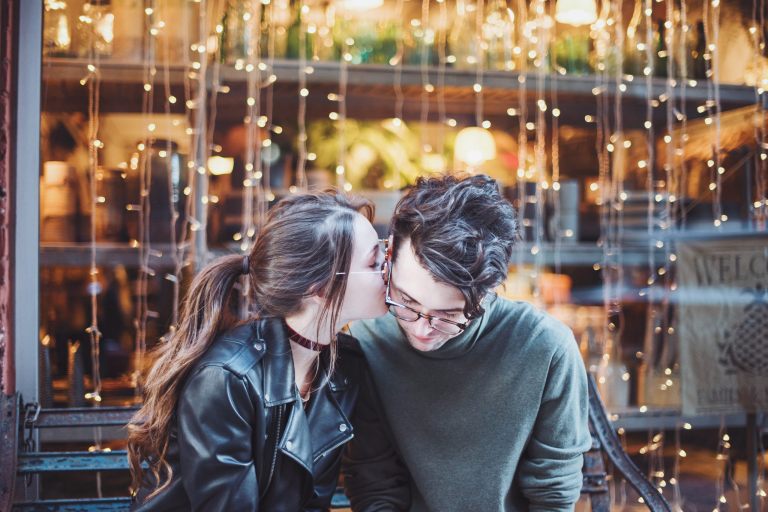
(447, 311)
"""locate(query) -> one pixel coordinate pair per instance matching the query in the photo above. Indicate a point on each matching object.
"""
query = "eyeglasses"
(383, 248)
(407, 314)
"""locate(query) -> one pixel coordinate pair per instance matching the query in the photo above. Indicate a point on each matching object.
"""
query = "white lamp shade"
(474, 146)
(576, 12)
(362, 5)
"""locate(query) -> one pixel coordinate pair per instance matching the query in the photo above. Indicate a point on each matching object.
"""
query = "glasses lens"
(403, 313)
(445, 327)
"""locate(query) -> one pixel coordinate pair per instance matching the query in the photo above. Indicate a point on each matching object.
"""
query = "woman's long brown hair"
(303, 249)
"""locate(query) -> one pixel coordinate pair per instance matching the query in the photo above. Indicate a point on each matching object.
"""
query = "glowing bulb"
(474, 146)
(576, 12)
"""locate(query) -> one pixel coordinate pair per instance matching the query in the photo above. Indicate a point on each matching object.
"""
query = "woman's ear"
(316, 295)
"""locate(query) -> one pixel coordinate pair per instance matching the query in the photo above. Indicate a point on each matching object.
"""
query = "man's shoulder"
(377, 331)
(525, 321)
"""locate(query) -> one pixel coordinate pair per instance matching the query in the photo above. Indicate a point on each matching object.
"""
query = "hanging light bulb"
(219, 165)
(474, 146)
(362, 5)
(576, 12)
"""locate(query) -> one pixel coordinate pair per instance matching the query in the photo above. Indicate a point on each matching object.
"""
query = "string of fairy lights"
(93, 82)
(301, 116)
(530, 33)
(760, 199)
(662, 163)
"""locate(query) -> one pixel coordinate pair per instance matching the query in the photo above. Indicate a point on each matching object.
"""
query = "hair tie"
(246, 266)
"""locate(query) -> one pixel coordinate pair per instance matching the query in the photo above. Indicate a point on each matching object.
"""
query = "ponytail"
(206, 312)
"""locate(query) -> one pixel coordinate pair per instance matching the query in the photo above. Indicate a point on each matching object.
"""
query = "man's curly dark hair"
(461, 230)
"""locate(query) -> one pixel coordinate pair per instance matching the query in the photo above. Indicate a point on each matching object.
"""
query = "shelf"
(371, 92)
(113, 254)
(108, 254)
(632, 419)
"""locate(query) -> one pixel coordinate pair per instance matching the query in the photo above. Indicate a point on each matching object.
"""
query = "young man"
(475, 403)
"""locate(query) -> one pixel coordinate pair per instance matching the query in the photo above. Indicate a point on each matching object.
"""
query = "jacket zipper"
(277, 443)
(327, 451)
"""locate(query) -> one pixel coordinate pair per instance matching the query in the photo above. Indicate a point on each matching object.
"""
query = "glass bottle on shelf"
(419, 44)
(572, 49)
(276, 20)
(683, 43)
(661, 59)
(635, 57)
(236, 35)
(462, 40)
(699, 52)
(499, 36)
(95, 28)
(605, 54)
(129, 37)
(56, 36)
(537, 34)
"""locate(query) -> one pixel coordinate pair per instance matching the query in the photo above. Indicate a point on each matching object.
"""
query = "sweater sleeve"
(550, 469)
(375, 478)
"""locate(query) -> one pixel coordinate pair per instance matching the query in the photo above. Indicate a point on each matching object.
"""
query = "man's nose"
(422, 327)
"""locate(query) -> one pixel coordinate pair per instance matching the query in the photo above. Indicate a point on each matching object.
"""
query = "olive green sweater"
(495, 420)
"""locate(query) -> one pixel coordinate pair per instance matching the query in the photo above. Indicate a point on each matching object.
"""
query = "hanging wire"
(522, 141)
(442, 42)
(723, 460)
(426, 87)
(301, 161)
(681, 168)
(555, 152)
(603, 145)
(341, 117)
(253, 189)
(540, 155)
(479, 63)
(613, 264)
(649, 163)
(93, 82)
(759, 203)
(269, 127)
(711, 18)
(142, 243)
(674, 481)
(94, 144)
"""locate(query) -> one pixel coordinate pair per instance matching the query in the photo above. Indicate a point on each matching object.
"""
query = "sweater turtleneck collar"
(458, 345)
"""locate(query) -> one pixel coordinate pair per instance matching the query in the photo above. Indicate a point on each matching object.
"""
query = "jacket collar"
(279, 377)
(330, 426)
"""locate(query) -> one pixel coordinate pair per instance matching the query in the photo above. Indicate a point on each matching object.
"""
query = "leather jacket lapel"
(330, 426)
(296, 442)
(279, 377)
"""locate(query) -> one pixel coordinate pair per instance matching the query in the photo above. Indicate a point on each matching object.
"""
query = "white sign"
(723, 325)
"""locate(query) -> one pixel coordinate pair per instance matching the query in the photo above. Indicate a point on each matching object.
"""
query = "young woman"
(253, 416)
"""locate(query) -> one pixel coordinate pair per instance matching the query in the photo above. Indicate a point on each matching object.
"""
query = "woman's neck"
(305, 324)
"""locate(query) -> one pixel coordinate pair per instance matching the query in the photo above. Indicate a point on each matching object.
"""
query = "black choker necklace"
(304, 342)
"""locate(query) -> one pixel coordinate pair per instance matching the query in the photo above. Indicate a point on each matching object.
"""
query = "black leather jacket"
(237, 402)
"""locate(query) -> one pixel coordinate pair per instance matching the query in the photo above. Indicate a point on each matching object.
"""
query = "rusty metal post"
(8, 32)
(9, 406)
